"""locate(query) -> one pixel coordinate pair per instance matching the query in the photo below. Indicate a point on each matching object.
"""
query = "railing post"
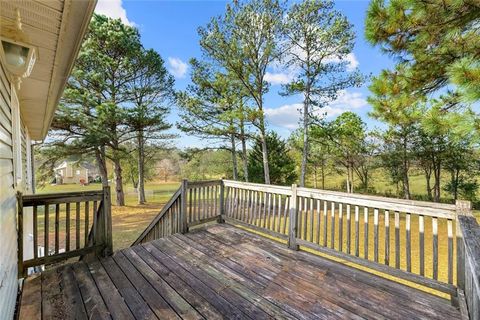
(107, 216)
(221, 218)
(21, 269)
(292, 230)
(463, 208)
(183, 211)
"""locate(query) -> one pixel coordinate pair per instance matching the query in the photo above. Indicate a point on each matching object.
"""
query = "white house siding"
(8, 231)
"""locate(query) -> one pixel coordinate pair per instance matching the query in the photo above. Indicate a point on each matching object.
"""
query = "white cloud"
(284, 116)
(352, 62)
(113, 9)
(288, 116)
(177, 67)
(351, 59)
(277, 78)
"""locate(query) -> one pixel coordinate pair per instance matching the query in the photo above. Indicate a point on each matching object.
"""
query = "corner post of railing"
(183, 211)
(463, 208)
(292, 230)
(221, 217)
(107, 218)
(21, 269)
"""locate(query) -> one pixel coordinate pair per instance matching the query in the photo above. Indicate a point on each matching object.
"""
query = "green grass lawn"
(128, 221)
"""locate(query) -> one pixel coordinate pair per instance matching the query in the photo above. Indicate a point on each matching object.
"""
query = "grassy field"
(128, 221)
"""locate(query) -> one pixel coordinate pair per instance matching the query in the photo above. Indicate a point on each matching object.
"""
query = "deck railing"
(411, 240)
(64, 225)
(192, 204)
(468, 257)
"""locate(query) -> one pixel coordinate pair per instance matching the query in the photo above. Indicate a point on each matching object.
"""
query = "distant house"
(69, 172)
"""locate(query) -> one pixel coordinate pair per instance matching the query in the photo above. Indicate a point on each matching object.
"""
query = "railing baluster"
(450, 250)
(365, 233)
(57, 228)
(46, 229)
(349, 229)
(435, 247)
(375, 235)
(285, 214)
(340, 227)
(312, 211)
(318, 220)
(204, 197)
(305, 218)
(77, 225)
(408, 246)
(299, 217)
(332, 225)
(397, 239)
(216, 212)
(357, 231)
(387, 237)
(35, 232)
(67, 227)
(264, 210)
(421, 230)
(269, 210)
(87, 223)
(325, 220)
(274, 211)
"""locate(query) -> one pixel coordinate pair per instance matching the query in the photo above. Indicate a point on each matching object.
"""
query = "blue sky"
(170, 27)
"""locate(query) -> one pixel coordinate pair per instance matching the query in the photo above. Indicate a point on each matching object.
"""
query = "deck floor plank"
(133, 299)
(410, 298)
(221, 272)
(31, 304)
(156, 302)
(338, 301)
(355, 292)
(94, 304)
(269, 289)
(196, 300)
(239, 284)
(112, 298)
(218, 301)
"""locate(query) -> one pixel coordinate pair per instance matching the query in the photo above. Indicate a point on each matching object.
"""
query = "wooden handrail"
(468, 251)
(194, 203)
(158, 217)
(89, 211)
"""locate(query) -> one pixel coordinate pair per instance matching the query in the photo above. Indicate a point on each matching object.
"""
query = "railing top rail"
(433, 209)
(203, 183)
(418, 203)
(50, 198)
(258, 187)
(409, 206)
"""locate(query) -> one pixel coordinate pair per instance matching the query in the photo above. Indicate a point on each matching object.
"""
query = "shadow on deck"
(221, 272)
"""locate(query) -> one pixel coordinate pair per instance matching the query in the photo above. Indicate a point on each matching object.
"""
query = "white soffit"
(56, 28)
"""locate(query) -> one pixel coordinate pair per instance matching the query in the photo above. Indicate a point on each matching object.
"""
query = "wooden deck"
(221, 272)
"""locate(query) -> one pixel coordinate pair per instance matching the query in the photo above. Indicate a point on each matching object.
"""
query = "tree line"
(119, 95)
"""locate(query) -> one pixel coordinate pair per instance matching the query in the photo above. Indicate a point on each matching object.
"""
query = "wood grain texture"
(221, 272)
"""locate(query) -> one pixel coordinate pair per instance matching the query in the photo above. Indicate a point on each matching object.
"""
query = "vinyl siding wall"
(8, 205)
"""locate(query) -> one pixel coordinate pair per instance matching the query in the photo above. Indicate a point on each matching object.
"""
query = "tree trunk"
(323, 173)
(348, 179)
(102, 165)
(305, 150)
(120, 200)
(263, 139)
(244, 150)
(141, 168)
(406, 182)
(234, 157)
(428, 174)
(315, 183)
(436, 176)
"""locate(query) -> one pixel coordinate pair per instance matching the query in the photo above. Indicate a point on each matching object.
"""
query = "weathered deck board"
(221, 272)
